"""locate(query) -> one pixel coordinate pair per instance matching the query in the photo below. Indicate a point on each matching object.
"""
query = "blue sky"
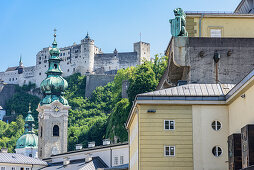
(26, 26)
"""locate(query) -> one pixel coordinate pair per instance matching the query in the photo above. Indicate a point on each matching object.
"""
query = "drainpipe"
(200, 24)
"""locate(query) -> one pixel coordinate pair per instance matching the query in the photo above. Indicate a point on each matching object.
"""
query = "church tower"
(53, 109)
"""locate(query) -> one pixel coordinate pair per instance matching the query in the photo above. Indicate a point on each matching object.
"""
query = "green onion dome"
(54, 85)
(29, 138)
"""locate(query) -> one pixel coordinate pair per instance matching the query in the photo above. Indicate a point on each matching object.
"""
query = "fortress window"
(39, 62)
(9, 79)
(55, 66)
(63, 54)
(73, 69)
(12, 79)
(45, 61)
(41, 131)
(68, 70)
(39, 73)
(60, 54)
(45, 56)
(45, 66)
(39, 58)
(76, 56)
(56, 130)
(68, 52)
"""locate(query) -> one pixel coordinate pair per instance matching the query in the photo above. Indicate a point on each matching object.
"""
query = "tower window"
(55, 66)
(41, 131)
(56, 130)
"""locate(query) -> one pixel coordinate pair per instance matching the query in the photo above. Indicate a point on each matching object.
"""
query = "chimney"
(66, 161)
(88, 158)
(4, 150)
(106, 142)
(79, 146)
(91, 144)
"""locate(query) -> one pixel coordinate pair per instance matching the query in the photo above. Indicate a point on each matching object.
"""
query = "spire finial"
(55, 33)
(29, 108)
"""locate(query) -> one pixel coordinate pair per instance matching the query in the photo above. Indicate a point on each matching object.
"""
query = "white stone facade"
(83, 58)
(30, 152)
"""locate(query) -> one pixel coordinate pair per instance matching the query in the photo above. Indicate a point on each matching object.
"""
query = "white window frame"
(121, 160)
(169, 124)
(165, 146)
(216, 152)
(216, 124)
(115, 160)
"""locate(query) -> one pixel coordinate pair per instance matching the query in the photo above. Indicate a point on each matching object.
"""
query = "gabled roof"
(11, 68)
(14, 158)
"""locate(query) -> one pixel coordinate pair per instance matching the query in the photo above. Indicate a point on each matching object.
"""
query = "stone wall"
(191, 59)
(6, 92)
(93, 81)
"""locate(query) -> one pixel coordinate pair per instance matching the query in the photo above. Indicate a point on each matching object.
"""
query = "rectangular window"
(13, 168)
(2, 168)
(215, 32)
(121, 160)
(169, 125)
(169, 150)
(27, 168)
(116, 160)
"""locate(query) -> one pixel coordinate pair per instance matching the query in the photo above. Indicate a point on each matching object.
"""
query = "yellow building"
(222, 24)
(187, 127)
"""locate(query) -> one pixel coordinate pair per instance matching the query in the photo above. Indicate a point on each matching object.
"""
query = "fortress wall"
(93, 81)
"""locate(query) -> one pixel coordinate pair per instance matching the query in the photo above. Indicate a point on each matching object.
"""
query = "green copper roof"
(54, 85)
(28, 139)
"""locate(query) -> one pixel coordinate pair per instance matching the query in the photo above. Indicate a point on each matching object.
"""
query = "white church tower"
(53, 109)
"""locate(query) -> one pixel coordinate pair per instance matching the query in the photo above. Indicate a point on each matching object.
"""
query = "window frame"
(169, 124)
(169, 146)
(4, 167)
(216, 151)
(116, 160)
(216, 124)
(121, 160)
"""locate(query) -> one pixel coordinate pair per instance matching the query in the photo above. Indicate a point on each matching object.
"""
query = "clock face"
(56, 108)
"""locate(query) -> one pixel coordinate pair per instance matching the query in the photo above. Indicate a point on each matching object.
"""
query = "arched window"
(56, 130)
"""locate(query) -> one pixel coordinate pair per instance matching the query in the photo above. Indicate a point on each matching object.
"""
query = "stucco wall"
(241, 111)
(231, 26)
(205, 138)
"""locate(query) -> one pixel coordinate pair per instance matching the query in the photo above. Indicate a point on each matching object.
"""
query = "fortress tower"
(87, 54)
(143, 51)
(53, 109)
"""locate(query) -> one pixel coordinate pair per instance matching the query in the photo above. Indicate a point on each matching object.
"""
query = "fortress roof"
(12, 68)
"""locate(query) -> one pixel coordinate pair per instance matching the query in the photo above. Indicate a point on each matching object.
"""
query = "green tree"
(116, 123)
(144, 80)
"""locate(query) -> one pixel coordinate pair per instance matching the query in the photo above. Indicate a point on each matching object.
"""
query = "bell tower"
(53, 109)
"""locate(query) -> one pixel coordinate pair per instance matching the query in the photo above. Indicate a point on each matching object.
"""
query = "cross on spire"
(55, 32)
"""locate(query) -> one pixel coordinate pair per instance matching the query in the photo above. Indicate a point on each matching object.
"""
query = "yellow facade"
(153, 138)
(207, 25)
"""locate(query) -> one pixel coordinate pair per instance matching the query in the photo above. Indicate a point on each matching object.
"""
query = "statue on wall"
(179, 23)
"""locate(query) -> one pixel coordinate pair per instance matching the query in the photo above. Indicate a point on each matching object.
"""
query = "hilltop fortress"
(84, 58)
